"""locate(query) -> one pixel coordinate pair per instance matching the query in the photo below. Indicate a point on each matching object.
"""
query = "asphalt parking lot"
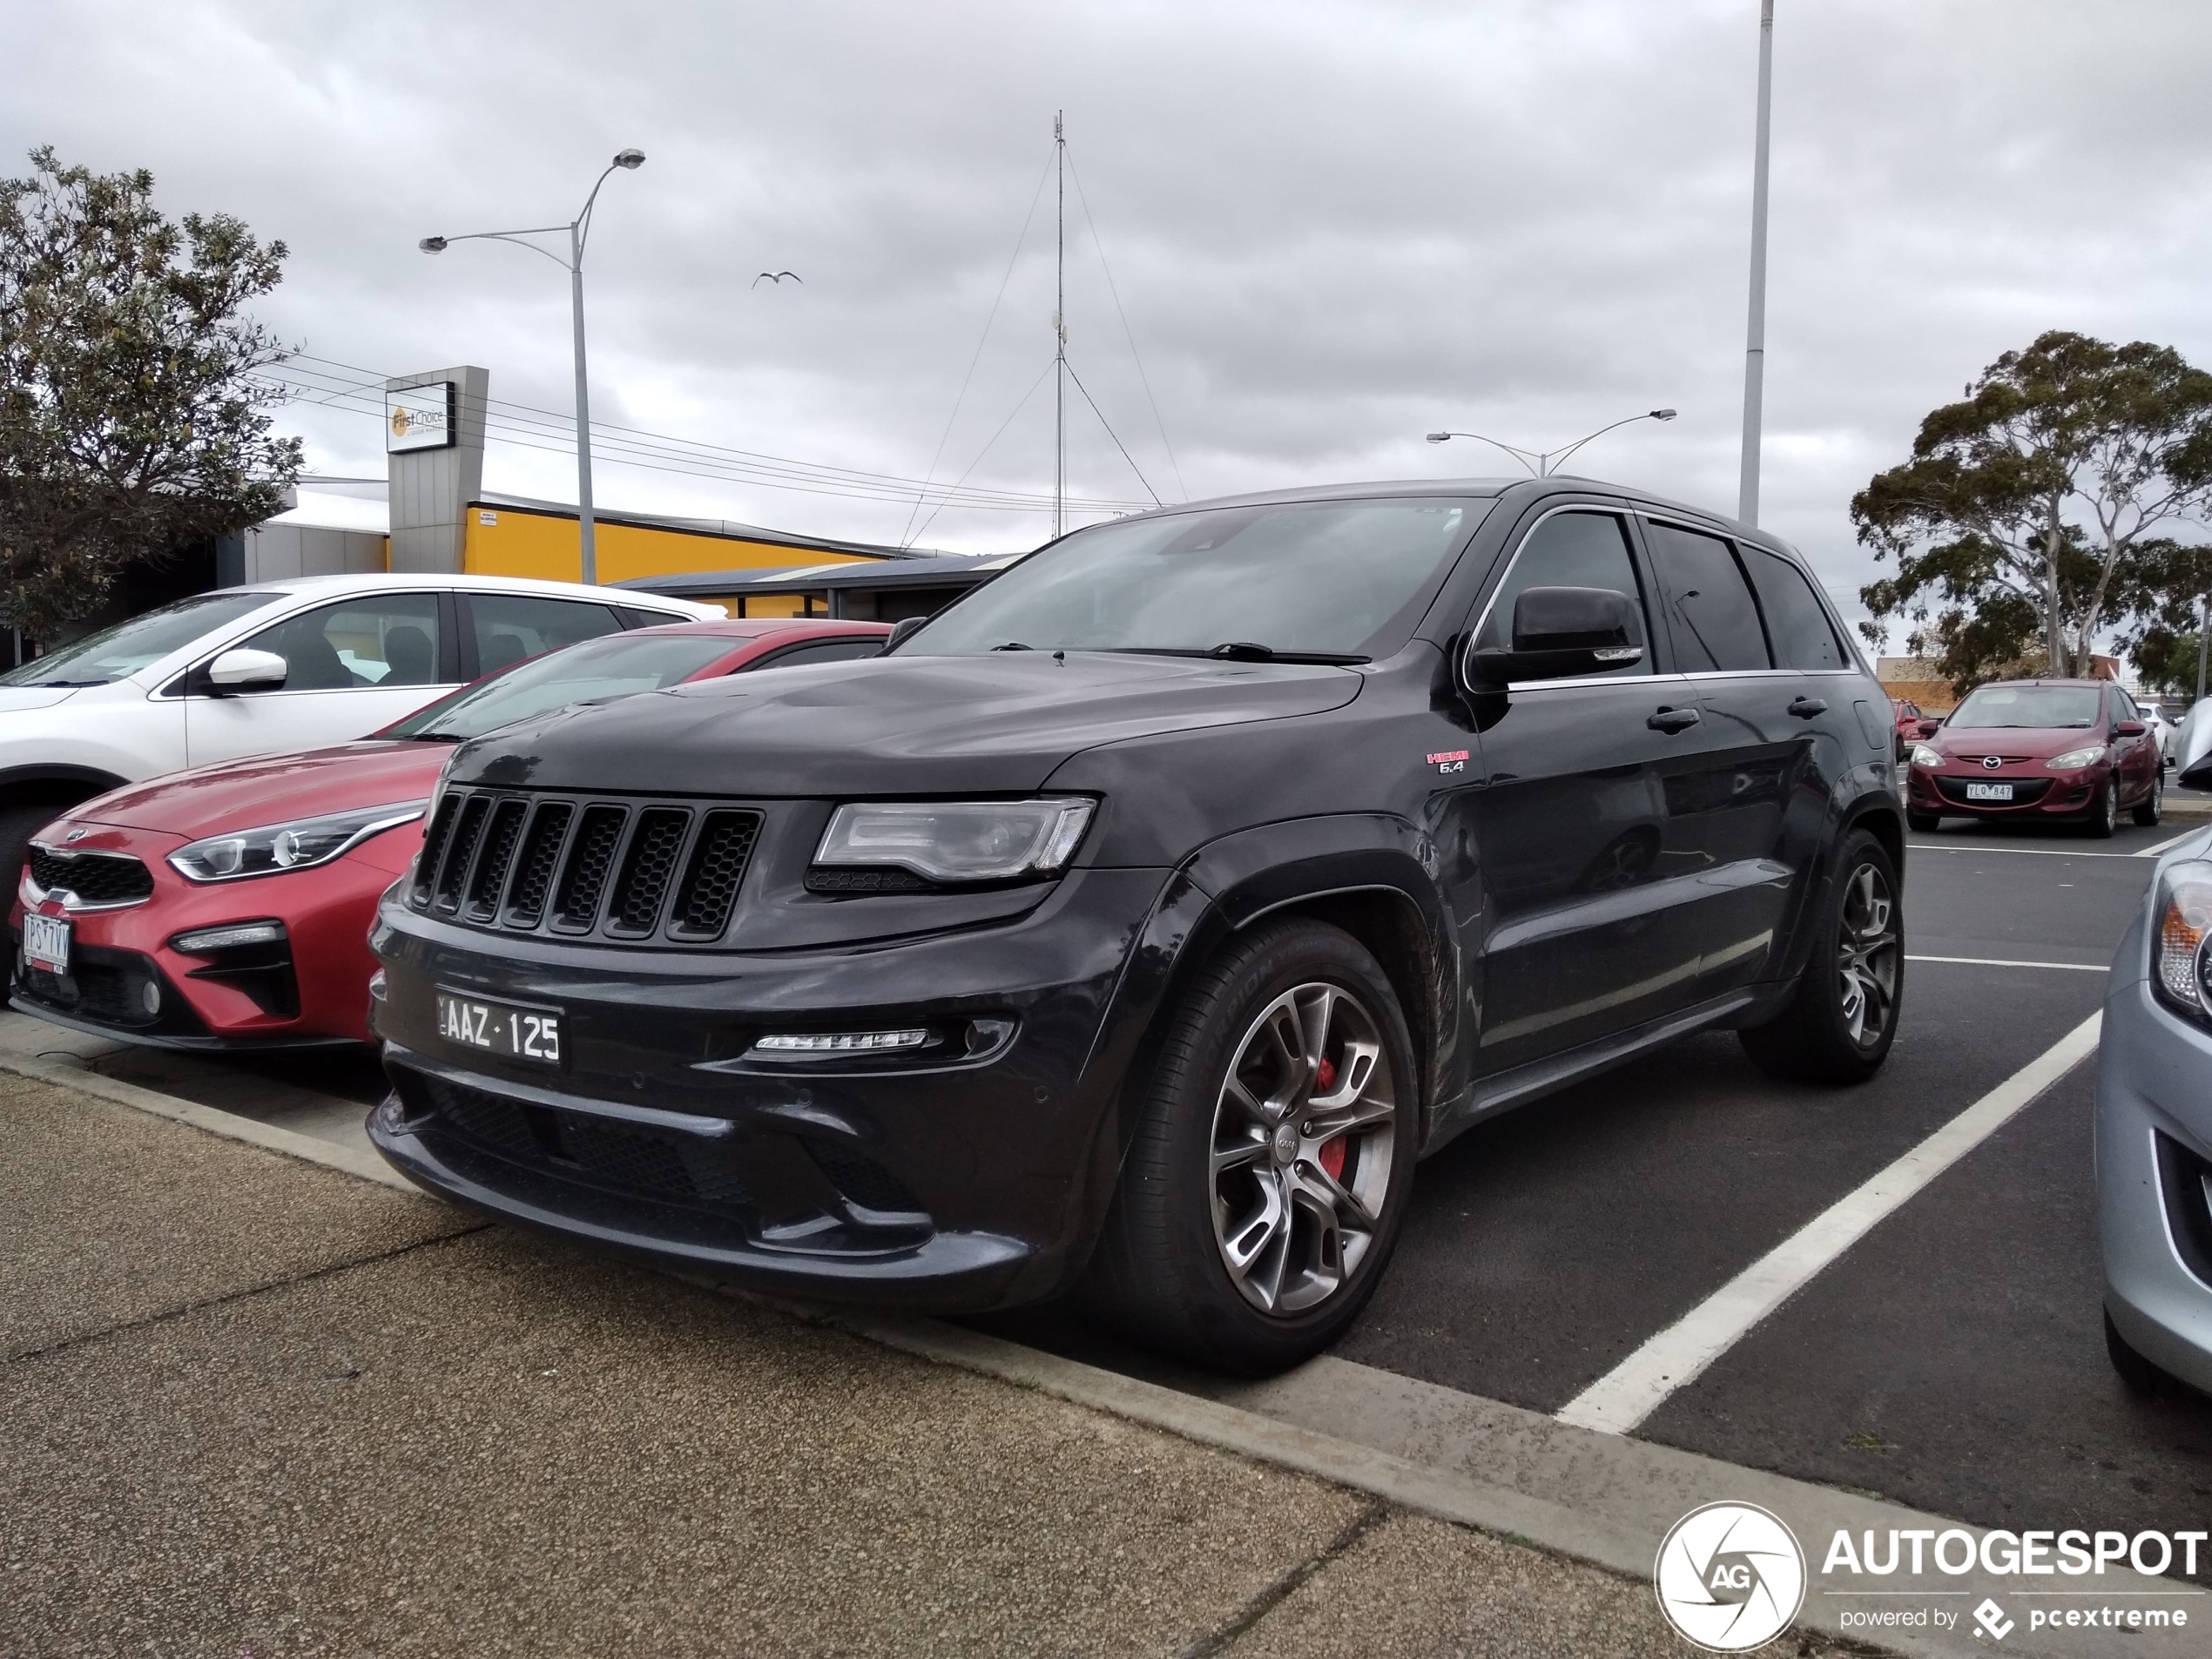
(1950, 1360)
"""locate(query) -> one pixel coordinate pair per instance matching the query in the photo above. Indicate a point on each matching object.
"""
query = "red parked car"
(229, 907)
(2076, 750)
(1906, 717)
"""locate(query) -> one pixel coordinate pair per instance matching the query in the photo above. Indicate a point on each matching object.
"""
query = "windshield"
(2029, 705)
(1331, 579)
(614, 666)
(118, 652)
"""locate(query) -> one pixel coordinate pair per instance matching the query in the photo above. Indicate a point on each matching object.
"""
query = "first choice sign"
(420, 417)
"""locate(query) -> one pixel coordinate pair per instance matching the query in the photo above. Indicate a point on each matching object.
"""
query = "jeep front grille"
(612, 869)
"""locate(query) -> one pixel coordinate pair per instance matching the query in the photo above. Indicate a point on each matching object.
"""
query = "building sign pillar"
(433, 452)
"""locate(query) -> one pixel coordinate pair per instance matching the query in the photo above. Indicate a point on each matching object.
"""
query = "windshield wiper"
(71, 685)
(1238, 650)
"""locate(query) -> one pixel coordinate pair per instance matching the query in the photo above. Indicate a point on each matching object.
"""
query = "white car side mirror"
(2193, 747)
(247, 671)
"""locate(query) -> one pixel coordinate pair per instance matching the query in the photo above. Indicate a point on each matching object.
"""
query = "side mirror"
(907, 628)
(1560, 632)
(247, 671)
(2128, 729)
(1928, 728)
(2193, 747)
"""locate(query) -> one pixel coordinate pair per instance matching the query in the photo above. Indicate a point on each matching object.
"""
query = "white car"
(271, 668)
(2162, 728)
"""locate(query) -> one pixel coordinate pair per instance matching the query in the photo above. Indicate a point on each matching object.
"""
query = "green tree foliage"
(131, 417)
(2016, 525)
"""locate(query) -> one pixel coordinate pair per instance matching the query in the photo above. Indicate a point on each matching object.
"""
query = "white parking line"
(2031, 852)
(1999, 961)
(2153, 852)
(1621, 1398)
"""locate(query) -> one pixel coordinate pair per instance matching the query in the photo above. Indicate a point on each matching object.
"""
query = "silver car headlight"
(962, 840)
(2178, 957)
(2074, 759)
(298, 845)
(1926, 754)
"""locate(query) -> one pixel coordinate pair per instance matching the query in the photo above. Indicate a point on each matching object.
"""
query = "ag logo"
(1729, 1576)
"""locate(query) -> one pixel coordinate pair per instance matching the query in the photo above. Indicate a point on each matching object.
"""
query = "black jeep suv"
(1134, 925)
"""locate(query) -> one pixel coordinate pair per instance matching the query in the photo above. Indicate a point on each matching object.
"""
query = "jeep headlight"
(2074, 759)
(1926, 754)
(298, 845)
(977, 840)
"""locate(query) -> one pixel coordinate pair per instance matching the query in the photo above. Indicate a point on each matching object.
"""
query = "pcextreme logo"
(1729, 1576)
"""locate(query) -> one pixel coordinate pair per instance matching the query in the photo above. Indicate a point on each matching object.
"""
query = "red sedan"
(2076, 750)
(229, 907)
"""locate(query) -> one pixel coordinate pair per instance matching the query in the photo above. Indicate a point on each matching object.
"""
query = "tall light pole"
(1542, 463)
(579, 230)
(1747, 494)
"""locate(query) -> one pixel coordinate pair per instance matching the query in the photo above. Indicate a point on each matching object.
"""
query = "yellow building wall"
(505, 541)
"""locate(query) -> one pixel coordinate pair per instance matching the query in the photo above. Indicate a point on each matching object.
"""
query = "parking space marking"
(2025, 852)
(1621, 1398)
(2171, 841)
(1999, 961)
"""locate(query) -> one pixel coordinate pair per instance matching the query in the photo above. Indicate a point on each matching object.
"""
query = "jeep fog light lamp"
(840, 1041)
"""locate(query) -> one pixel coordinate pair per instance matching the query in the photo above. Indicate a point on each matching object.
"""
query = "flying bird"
(777, 277)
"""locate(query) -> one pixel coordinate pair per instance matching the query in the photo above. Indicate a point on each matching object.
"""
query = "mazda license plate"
(507, 1029)
(45, 943)
(1989, 791)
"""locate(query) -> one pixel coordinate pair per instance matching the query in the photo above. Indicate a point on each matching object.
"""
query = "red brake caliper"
(1325, 1078)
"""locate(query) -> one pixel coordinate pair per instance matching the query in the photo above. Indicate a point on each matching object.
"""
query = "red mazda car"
(2076, 750)
(229, 907)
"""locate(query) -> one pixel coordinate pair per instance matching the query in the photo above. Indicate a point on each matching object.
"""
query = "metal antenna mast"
(1060, 331)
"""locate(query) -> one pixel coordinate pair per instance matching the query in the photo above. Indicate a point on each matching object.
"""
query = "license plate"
(45, 943)
(1989, 791)
(504, 1029)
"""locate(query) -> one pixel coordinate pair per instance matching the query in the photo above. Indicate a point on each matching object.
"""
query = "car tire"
(1922, 822)
(19, 821)
(2153, 803)
(1236, 1240)
(2136, 1374)
(2104, 817)
(1842, 1017)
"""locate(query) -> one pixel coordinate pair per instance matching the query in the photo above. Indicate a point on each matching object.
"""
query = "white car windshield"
(1336, 580)
(2041, 706)
(614, 666)
(118, 652)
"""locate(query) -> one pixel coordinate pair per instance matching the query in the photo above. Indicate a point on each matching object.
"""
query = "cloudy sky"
(1330, 227)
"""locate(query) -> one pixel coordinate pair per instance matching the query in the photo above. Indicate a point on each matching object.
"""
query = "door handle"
(1672, 720)
(1805, 707)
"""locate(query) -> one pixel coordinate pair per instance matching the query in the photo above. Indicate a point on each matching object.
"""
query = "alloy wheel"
(1303, 1133)
(1867, 948)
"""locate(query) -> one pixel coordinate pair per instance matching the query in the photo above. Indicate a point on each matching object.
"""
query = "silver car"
(2155, 1115)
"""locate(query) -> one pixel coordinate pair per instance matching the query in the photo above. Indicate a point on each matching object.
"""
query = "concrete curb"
(362, 1165)
(1630, 1490)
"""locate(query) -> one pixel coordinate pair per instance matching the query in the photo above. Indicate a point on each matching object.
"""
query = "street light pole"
(579, 230)
(1746, 497)
(1541, 462)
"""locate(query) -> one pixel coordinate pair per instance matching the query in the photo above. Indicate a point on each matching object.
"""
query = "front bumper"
(2154, 1215)
(2038, 790)
(965, 1177)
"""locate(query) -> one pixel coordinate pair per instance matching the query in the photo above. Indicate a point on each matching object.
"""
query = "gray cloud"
(1334, 226)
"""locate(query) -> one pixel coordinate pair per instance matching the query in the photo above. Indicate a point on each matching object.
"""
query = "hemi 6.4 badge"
(1450, 760)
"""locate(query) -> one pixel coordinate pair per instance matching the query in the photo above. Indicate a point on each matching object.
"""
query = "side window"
(378, 639)
(1798, 626)
(510, 626)
(1709, 609)
(825, 651)
(1569, 551)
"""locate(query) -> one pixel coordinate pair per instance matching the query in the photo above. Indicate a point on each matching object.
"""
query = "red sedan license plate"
(507, 1029)
(1989, 791)
(45, 943)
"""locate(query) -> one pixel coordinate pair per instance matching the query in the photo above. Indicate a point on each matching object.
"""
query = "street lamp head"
(1440, 437)
(1663, 415)
(432, 245)
(630, 160)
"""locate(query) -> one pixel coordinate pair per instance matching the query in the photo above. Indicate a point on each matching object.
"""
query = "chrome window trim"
(317, 603)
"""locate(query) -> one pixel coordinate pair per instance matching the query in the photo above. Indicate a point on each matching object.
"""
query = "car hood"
(995, 724)
(242, 794)
(22, 699)
(2036, 743)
